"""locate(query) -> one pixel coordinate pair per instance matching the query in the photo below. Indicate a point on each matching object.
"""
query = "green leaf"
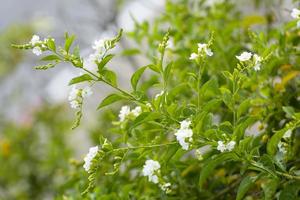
(145, 117)
(110, 76)
(245, 185)
(104, 61)
(269, 187)
(51, 44)
(243, 107)
(167, 71)
(131, 52)
(50, 58)
(290, 191)
(82, 78)
(211, 105)
(211, 164)
(289, 111)
(154, 68)
(227, 97)
(210, 88)
(69, 41)
(136, 76)
(112, 98)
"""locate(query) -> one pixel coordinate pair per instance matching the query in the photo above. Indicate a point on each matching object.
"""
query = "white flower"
(149, 168)
(99, 45)
(137, 111)
(203, 47)
(89, 157)
(295, 13)
(230, 145)
(165, 187)
(298, 24)
(281, 147)
(221, 146)
(124, 112)
(185, 124)
(244, 56)
(257, 62)
(73, 93)
(287, 134)
(74, 104)
(86, 92)
(182, 135)
(37, 51)
(35, 39)
(194, 56)
(225, 147)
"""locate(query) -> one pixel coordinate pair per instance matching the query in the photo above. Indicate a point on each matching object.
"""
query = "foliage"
(34, 156)
(201, 124)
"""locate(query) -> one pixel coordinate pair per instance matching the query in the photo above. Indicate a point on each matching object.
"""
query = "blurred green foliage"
(10, 57)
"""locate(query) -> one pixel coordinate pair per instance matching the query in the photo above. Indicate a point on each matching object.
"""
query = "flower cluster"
(89, 157)
(296, 15)
(246, 56)
(125, 112)
(226, 147)
(76, 95)
(203, 50)
(100, 47)
(184, 133)
(150, 169)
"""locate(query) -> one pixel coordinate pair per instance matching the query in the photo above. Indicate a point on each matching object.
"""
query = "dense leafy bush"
(216, 115)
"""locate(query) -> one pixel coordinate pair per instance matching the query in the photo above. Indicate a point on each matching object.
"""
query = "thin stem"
(146, 146)
(101, 79)
(199, 77)
(288, 176)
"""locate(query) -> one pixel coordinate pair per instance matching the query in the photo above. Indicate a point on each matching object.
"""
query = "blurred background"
(36, 141)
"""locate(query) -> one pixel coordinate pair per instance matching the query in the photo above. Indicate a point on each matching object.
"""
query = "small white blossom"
(182, 135)
(221, 146)
(35, 40)
(99, 45)
(295, 13)
(37, 51)
(124, 112)
(149, 169)
(73, 93)
(281, 147)
(89, 157)
(165, 187)
(245, 56)
(74, 104)
(185, 124)
(287, 134)
(205, 49)
(194, 56)
(230, 145)
(137, 111)
(257, 62)
(87, 91)
(225, 147)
